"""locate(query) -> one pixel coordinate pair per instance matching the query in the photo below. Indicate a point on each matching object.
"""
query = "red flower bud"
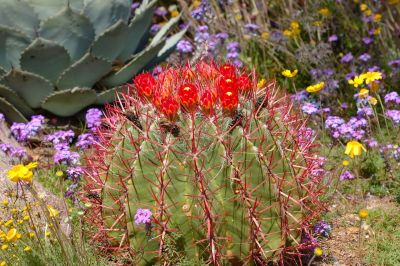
(207, 101)
(228, 71)
(188, 96)
(229, 100)
(169, 107)
(225, 84)
(145, 84)
(244, 82)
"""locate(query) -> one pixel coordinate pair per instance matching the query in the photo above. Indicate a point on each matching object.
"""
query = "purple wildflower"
(74, 173)
(93, 118)
(365, 111)
(143, 216)
(24, 131)
(394, 115)
(222, 35)
(394, 63)
(309, 108)
(347, 58)
(333, 38)
(184, 47)
(155, 28)
(300, 96)
(346, 175)
(392, 97)
(66, 157)
(161, 11)
(1, 117)
(322, 228)
(364, 57)
(367, 40)
(134, 6)
(371, 143)
(62, 136)
(85, 141)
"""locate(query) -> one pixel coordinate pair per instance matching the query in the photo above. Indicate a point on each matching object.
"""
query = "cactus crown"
(203, 157)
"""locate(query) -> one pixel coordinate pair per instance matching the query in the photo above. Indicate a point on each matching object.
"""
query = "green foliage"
(61, 47)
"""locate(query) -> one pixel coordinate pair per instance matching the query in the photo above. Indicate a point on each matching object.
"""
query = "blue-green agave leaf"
(110, 43)
(12, 43)
(137, 28)
(16, 15)
(162, 33)
(69, 102)
(70, 29)
(103, 14)
(108, 95)
(84, 73)
(45, 58)
(12, 97)
(76, 4)
(45, 8)
(138, 62)
(2, 72)
(31, 87)
(11, 112)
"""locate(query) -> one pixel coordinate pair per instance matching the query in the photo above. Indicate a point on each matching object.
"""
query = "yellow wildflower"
(196, 3)
(11, 235)
(26, 218)
(371, 76)
(264, 35)
(345, 163)
(8, 223)
(316, 87)
(261, 83)
(31, 235)
(20, 172)
(31, 165)
(368, 12)
(357, 81)
(354, 148)
(377, 31)
(47, 234)
(174, 13)
(27, 249)
(289, 74)
(363, 7)
(4, 247)
(318, 251)
(363, 213)
(53, 212)
(363, 93)
(294, 25)
(287, 33)
(5, 202)
(373, 101)
(317, 23)
(3, 263)
(377, 17)
(59, 173)
(324, 12)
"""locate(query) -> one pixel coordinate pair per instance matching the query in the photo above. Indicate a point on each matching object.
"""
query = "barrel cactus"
(64, 55)
(206, 162)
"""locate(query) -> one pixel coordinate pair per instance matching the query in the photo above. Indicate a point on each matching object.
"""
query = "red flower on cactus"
(188, 96)
(229, 100)
(226, 84)
(228, 71)
(207, 101)
(169, 107)
(207, 71)
(244, 82)
(145, 84)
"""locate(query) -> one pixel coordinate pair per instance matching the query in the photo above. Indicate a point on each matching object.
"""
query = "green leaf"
(164, 30)
(108, 95)
(137, 28)
(110, 43)
(15, 14)
(69, 102)
(45, 8)
(31, 87)
(12, 97)
(84, 73)
(2, 72)
(133, 67)
(10, 112)
(70, 29)
(12, 43)
(45, 58)
(103, 14)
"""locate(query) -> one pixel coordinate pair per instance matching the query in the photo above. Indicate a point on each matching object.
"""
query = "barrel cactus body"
(222, 167)
(64, 55)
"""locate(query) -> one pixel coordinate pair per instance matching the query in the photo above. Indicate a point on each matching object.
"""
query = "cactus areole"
(200, 157)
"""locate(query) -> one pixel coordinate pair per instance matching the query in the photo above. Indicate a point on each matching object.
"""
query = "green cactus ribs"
(205, 167)
(57, 51)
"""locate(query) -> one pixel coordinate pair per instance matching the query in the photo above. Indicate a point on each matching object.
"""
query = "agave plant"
(213, 162)
(64, 55)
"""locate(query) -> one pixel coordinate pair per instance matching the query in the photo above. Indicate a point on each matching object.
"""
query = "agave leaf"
(103, 14)
(137, 28)
(10, 112)
(93, 69)
(108, 95)
(71, 30)
(167, 49)
(138, 62)
(69, 102)
(31, 87)
(15, 14)
(110, 43)
(12, 43)
(45, 58)
(164, 30)
(76, 4)
(2, 72)
(46, 8)
(15, 100)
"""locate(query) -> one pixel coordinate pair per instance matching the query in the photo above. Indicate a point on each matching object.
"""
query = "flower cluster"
(21, 172)
(24, 131)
